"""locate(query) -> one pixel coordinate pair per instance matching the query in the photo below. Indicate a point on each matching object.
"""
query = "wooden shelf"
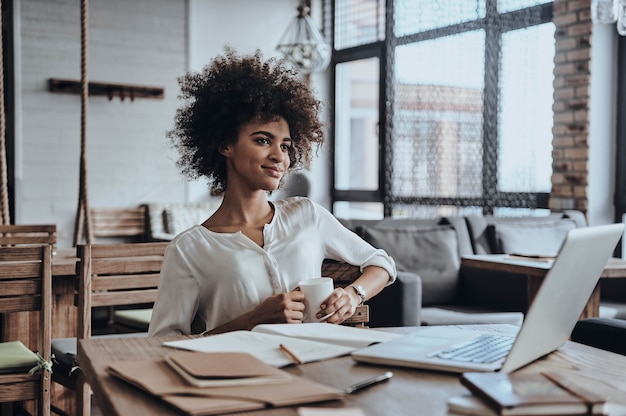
(111, 90)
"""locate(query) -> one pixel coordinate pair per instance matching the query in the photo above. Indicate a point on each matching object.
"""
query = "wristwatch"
(359, 291)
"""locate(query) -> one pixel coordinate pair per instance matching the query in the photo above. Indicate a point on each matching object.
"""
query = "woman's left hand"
(340, 305)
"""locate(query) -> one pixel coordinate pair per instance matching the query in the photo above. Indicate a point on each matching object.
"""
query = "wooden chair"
(344, 274)
(26, 280)
(25, 325)
(110, 275)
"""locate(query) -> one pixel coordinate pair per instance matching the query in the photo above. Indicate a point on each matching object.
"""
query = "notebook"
(547, 324)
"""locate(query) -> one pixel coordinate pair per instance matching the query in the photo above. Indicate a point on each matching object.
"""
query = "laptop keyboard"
(482, 349)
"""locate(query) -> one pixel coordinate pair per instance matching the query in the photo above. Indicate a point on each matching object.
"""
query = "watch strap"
(359, 291)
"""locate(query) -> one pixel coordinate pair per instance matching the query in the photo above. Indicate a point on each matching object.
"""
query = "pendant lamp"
(302, 44)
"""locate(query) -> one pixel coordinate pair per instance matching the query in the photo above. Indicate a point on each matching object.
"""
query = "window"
(441, 107)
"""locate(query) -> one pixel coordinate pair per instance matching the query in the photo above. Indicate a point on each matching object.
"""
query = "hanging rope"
(4, 186)
(83, 218)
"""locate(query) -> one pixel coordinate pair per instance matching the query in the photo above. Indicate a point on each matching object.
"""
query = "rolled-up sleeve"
(348, 247)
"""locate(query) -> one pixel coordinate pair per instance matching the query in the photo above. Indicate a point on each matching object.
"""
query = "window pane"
(526, 116)
(413, 16)
(438, 117)
(359, 22)
(520, 212)
(358, 210)
(430, 211)
(356, 125)
(511, 5)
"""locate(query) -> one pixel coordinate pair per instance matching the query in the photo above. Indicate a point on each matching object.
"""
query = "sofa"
(432, 249)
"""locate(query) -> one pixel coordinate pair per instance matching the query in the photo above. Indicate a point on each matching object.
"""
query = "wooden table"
(536, 270)
(409, 392)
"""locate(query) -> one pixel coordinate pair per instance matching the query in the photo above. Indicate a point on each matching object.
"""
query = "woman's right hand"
(285, 307)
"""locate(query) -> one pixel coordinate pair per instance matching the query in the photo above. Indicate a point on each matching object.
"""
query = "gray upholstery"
(432, 253)
(432, 249)
(447, 314)
(399, 304)
(605, 333)
(538, 237)
(490, 234)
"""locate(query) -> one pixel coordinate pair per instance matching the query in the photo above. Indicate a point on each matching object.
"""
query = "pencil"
(290, 353)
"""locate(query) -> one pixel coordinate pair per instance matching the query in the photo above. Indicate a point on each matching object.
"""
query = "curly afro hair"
(231, 91)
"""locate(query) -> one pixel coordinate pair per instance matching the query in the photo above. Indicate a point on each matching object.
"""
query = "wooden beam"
(109, 89)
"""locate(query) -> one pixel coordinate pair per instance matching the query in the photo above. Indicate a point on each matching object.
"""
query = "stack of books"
(511, 394)
(198, 383)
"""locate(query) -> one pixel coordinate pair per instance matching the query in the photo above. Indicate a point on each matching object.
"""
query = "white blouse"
(217, 277)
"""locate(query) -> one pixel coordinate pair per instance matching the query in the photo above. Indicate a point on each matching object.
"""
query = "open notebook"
(309, 342)
(547, 324)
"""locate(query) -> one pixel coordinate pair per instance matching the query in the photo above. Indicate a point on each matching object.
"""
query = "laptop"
(547, 324)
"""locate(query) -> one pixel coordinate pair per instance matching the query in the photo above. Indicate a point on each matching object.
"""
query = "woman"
(245, 124)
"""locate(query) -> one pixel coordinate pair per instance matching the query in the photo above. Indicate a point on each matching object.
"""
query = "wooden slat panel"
(27, 228)
(17, 387)
(27, 234)
(361, 315)
(21, 253)
(123, 298)
(113, 222)
(103, 214)
(22, 239)
(343, 274)
(131, 281)
(127, 250)
(20, 287)
(340, 272)
(19, 270)
(113, 266)
(20, 304)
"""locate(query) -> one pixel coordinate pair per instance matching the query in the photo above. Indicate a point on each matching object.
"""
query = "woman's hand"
(282, 308)
(340, 305)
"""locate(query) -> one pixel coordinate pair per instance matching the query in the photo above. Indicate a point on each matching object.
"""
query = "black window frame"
(491, 198)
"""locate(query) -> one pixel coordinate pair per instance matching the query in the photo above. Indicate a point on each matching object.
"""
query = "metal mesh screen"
(359, 22)
(469, 127)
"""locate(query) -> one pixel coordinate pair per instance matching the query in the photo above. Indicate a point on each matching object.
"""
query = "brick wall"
(571, 105)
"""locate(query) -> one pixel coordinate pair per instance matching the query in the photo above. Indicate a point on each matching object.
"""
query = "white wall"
(145, 42)
(129, 160)
(248, 25)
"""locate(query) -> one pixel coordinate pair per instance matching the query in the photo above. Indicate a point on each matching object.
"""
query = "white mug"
(315, 292)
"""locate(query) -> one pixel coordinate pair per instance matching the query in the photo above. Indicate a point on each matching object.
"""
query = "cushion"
(168, 219)
(525, 237)
(134, 318)
(615, 310)
(432, 253)
(16, 358)
(454, 316)
(181, 217)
